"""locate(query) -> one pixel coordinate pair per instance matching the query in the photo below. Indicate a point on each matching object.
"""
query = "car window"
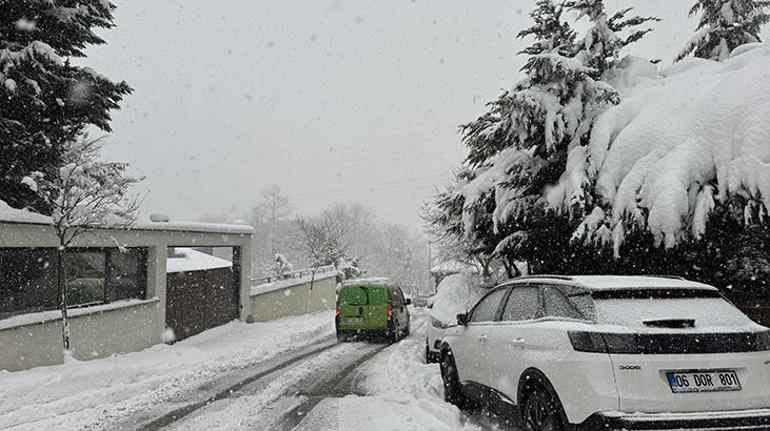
(523, 304)
(486, 310)
(556, 304)
(398, 297)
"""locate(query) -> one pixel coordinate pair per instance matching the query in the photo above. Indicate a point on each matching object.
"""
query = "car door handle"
(518, 342)
(483, 338)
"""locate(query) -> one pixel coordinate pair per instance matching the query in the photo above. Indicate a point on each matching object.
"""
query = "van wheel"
(541, 412)
(392, 333)
(452, 387)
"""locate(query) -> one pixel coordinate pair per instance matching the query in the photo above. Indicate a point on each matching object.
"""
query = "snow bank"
(98, 394)
(683, 140)
(456, 294)
(402, 391)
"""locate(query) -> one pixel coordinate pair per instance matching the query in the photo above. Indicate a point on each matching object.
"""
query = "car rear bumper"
(740, 420)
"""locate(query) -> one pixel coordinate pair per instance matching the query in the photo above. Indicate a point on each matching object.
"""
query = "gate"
(201, 300)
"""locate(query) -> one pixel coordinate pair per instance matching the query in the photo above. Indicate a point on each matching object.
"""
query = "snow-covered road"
(283, 375)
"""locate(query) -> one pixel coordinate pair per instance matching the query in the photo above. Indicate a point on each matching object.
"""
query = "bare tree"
(86, 194)
(323, 239)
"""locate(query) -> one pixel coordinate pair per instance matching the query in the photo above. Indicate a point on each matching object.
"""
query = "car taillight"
(337, 313)
(595, 342)
(590, 342)
(763, 341)
(337, 309)
(390, 312)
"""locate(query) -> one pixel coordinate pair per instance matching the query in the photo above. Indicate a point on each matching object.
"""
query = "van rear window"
(378, 295)
(353, 295)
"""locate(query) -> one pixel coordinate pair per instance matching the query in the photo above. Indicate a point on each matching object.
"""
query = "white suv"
(609, 352)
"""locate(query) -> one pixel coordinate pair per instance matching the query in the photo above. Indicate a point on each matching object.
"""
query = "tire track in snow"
(229, 391)
(264, 402)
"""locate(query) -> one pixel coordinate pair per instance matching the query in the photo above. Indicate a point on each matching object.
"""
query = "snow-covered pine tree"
(725, 25)
(539, 130)
(520, 147)
(600, 47)
(47, 101)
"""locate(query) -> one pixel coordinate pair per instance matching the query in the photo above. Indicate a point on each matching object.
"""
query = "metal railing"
(256, 281)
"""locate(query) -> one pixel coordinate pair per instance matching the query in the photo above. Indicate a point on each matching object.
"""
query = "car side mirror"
(408, 301)
(462, 319)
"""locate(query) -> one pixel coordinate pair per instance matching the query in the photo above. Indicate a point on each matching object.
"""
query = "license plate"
(703, 381)
(353, 320)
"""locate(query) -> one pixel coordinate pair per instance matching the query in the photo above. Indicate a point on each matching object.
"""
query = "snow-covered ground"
(395, 390)
(328, 387)
(97, 394)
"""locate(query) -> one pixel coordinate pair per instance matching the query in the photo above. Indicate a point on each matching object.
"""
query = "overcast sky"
(332, 100)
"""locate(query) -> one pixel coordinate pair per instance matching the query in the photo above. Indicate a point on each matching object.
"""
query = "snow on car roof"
(379, 280)
(610, 282)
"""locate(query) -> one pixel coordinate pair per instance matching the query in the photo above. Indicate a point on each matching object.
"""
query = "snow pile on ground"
(98, 393)
(683, 140)
(456, 294)
(7, 213)
(402, 391)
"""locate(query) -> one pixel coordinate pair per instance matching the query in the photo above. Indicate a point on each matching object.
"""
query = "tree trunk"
(511, 268)
(62, 284)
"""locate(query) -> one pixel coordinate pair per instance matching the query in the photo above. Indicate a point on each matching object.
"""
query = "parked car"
(605, 352)
(372, 307)
(455, 294)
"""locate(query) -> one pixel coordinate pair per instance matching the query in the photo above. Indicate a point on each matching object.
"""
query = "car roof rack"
(672, 277)
(553, 277)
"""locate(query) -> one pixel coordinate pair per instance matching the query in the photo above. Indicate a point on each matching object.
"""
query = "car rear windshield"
(364, 295)
(650, 307)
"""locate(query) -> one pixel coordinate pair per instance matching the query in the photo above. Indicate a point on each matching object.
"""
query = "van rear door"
(364, 306)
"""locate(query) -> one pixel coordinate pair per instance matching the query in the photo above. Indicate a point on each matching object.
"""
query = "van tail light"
(337, 309)
(390, 312)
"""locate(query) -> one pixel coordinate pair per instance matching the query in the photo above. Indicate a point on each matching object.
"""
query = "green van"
(371, 307)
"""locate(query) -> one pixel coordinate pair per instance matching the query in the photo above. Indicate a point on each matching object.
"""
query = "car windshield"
(662, 307)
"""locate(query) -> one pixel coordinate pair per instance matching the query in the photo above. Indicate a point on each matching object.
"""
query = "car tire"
(452, 387)
(408, 329)
(428, 356)
(542, 412)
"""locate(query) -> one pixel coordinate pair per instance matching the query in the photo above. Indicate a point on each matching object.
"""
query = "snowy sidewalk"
(100, 393)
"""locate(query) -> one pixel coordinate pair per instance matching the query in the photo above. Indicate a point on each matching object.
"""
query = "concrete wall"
(293, 298)
(117, 330)
(96, 332)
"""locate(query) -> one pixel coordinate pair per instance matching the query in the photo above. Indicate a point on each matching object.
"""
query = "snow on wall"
(21, 216)
(683, 140)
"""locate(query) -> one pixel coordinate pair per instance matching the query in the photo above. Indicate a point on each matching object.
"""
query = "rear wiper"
(670, 323)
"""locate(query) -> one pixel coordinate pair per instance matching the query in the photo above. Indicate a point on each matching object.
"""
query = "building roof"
(17, 216)
(187, 259)
(610, 282)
